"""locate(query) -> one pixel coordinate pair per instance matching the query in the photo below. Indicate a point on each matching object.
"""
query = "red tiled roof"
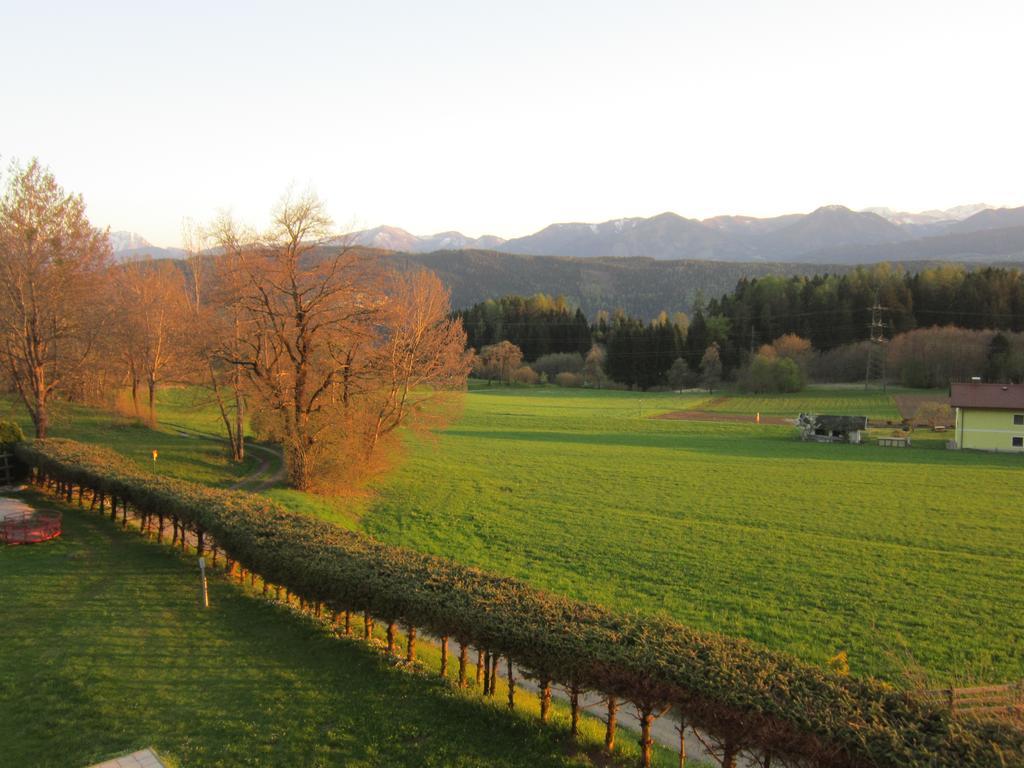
(977, 395)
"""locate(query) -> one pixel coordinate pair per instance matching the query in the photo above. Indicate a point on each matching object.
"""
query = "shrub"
(559, 362)
(10, 433)
(767, 373)
(567, 379)
(524, 375)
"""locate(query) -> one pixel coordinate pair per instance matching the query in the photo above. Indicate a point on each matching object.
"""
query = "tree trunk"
(495, 658)
(463, 654)
(574, 710)
(511, 685)
(40, 416)
(682, 743)
(410, 655)
(238, 443)
(545, 699)
(487, 673)
(348, 622)
(367, 626)
(391, 638)
(609, 731)
(152, 402)
(300, 475)
(135, 395)
(646, 718)
(479, 666)
(729, 755)
(444, 656)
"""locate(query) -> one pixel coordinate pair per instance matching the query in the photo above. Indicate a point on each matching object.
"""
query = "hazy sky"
(504, 117)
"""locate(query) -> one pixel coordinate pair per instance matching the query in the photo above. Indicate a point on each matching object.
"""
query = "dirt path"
(269, 473)
(664, 730)
(271, 469)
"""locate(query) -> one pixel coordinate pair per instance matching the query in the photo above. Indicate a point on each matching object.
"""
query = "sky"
(503, 117)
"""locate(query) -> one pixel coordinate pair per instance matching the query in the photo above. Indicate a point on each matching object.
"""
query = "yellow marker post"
(757, 420)
(155, 454)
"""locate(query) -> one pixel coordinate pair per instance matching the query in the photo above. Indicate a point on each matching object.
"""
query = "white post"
(204, 595)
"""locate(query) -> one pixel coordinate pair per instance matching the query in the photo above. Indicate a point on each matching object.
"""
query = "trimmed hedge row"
(738, 691)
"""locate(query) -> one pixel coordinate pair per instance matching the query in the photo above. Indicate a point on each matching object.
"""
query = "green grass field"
(188, 440)
(104, 651)
(903, 558)
(834, 400)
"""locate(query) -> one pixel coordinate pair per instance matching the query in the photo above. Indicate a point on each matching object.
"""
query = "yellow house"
(989, 417)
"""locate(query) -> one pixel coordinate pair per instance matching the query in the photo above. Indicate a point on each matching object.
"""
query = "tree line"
(939, 324)
(325, 348)
(833, 310)
(538, 325)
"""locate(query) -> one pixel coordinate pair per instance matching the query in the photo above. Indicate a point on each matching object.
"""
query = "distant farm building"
(989, 417)
(832, 429)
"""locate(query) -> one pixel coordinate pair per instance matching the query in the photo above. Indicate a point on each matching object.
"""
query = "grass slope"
(104, 650)
(901, 557)
(188, 439)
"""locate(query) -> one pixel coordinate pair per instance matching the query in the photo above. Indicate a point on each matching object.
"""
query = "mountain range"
(832, 234)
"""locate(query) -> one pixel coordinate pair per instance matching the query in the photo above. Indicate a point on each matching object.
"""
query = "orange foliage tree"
(337, 351)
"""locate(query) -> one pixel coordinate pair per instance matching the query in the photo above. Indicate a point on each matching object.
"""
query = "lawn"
(903, 558)
(187, 441)
(104, 651)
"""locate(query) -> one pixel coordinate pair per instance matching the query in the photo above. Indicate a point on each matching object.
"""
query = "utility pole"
(876, 350)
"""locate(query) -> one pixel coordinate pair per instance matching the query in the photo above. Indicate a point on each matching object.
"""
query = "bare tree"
(150, 325)
(303, 306)
(422, 355)
(218, 282)
(52, 268)
(498, 361)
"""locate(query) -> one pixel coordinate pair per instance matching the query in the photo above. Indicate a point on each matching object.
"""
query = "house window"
(1018, 419)
(1018, 442)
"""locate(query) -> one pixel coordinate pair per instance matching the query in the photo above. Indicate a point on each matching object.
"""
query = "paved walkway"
(144, 758)
(10, 507)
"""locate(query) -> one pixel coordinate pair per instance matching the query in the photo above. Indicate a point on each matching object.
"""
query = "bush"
(567, 379)
(732, 688)
(559, 362)
(767, 374)
(524, 375)
(10, 433)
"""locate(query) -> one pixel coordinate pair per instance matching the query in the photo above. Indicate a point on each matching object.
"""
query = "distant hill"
(993, 218)
(832, 234)
(148, 252)
(395, 239)
(982, 245)
(641, 286)
(124, 241)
